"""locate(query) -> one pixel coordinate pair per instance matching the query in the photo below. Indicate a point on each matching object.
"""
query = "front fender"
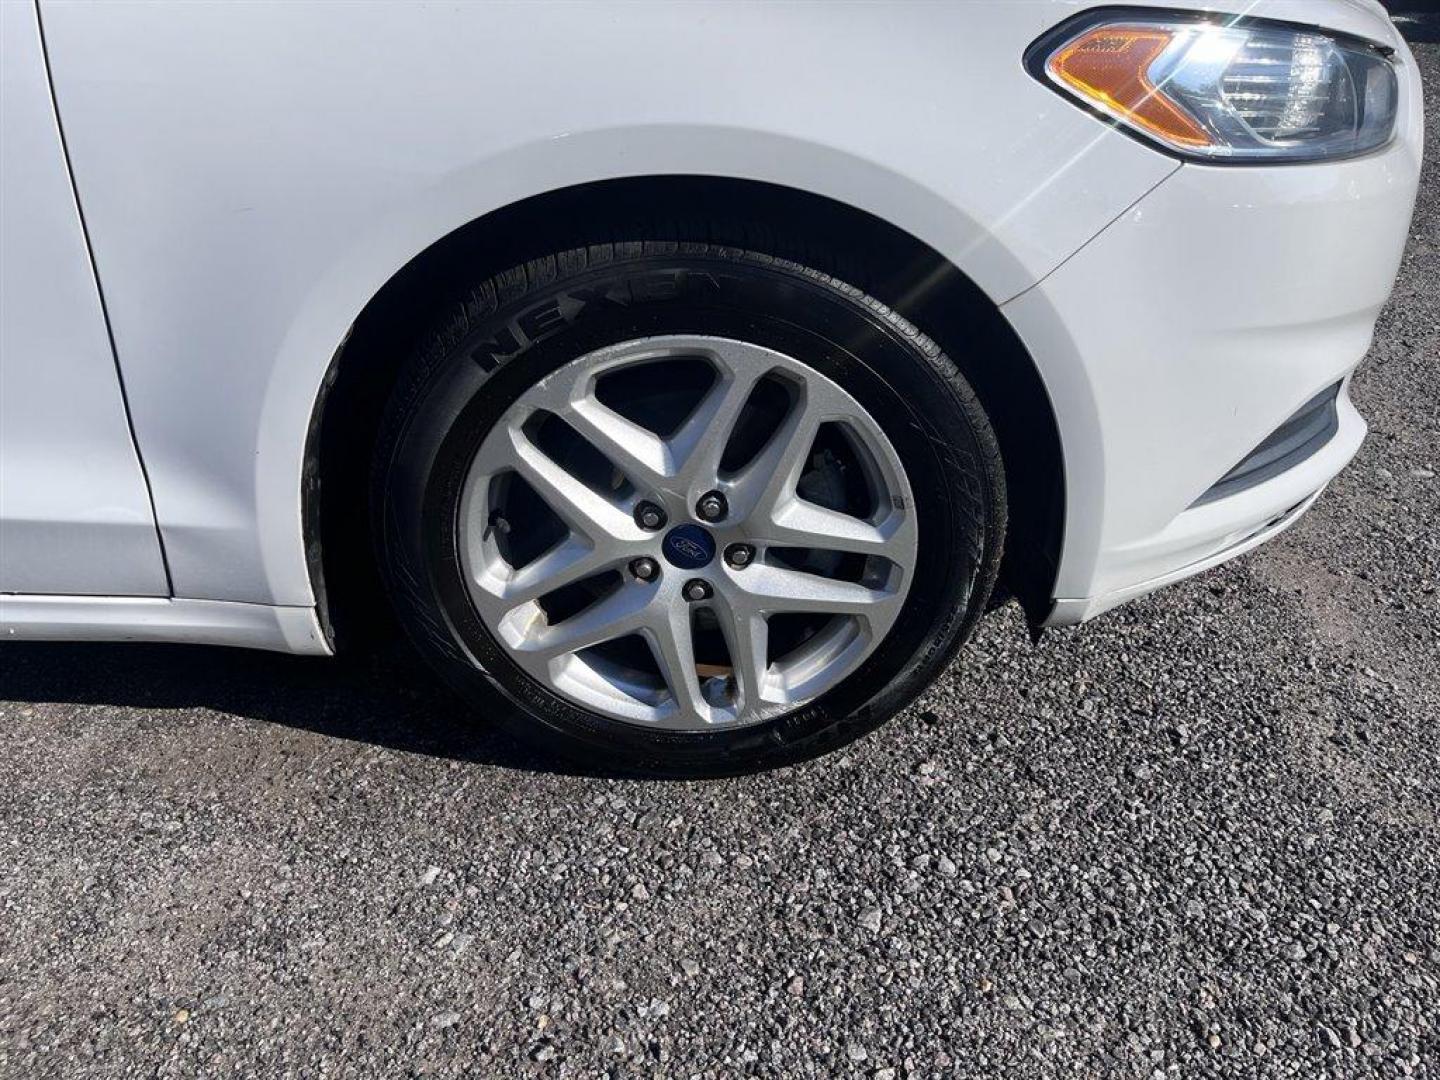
(253, 174)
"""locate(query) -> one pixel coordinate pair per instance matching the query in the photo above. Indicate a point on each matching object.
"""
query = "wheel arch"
(854, 245)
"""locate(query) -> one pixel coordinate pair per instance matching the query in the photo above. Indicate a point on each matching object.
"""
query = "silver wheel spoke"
(772, 476)
(640, 454)
(617, 615)
(797, 523)
(774, 589)
(674, 647)
(567, 562)
(747, 638)
(581, 508)
(700, 443)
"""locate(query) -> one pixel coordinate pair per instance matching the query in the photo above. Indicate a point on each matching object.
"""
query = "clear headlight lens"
(1238, 91)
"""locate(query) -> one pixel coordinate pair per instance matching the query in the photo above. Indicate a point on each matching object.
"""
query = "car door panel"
(75, 514)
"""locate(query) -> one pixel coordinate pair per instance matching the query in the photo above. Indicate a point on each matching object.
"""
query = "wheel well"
(852, 245)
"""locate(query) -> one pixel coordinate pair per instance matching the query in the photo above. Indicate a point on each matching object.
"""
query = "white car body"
(249, 177)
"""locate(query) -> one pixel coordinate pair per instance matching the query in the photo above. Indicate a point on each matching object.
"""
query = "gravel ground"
(1199, 837)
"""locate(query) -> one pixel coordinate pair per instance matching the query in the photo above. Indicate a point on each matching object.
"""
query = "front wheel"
(683, 509)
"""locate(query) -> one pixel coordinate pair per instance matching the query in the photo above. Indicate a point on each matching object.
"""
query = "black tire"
(518, 326)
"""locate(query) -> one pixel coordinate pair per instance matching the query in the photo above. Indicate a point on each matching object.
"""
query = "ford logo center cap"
(688, 546)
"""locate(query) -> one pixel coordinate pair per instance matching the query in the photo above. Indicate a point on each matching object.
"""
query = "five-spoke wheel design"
(687, 533)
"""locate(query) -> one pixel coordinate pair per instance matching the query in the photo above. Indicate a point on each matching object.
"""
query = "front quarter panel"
(253, 174)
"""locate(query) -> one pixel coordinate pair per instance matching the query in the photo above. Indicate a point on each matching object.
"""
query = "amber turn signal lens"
(1109, 66)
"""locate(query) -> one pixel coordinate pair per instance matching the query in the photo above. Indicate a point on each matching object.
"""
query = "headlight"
(1224, 89)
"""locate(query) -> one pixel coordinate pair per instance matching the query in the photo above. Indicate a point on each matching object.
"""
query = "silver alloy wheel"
(601, 541)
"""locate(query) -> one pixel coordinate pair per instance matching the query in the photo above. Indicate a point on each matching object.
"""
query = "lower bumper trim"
(1069, 612)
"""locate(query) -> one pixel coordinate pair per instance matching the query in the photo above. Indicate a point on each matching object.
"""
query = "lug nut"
(697, 589)
(649, 516)
(712, 506)
(644, 569)
(739, 555)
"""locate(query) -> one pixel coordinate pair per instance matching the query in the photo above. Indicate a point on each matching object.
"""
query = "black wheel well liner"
(855, 246)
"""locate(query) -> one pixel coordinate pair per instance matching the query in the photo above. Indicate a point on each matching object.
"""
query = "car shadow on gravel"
(387, 698)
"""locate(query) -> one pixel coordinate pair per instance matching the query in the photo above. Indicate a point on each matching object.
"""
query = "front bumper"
(1210, 533)
(1190, 329)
